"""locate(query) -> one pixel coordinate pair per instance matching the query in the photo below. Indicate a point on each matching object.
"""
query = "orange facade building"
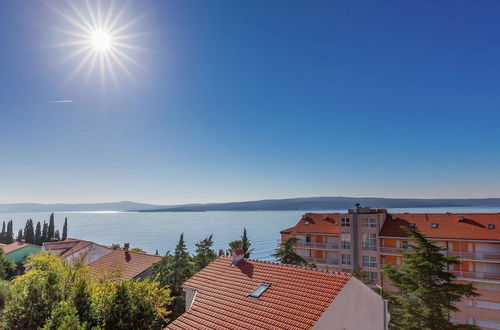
(364, 239)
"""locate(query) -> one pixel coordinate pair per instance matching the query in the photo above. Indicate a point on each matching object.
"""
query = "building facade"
(364, 239)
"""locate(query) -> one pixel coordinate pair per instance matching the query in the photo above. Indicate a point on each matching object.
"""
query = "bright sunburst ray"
(101, 39)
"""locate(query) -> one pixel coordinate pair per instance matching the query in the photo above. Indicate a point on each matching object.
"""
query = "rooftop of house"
(14, 246)
(472, 226)
(67, 247)
(131, 264)
(323, 223)
(258, 295)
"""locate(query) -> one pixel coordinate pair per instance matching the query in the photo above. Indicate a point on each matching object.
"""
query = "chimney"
(461, 218)
(357, 205)
(238, 255)
(125, 247)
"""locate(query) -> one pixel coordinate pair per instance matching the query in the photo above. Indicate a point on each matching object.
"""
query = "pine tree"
(29, 232)
(65, 229)
(45, 234)
(286, 254)
(38, 234)
(426, 293)
(120, 317)
(3, 234)
(19, 235)
(157, 253)
(204, 253)
(245, 244)
(81, 299)
(173, 271)
(51, 229)
(10, 233)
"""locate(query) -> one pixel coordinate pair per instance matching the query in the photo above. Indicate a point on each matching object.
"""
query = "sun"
(101, 38)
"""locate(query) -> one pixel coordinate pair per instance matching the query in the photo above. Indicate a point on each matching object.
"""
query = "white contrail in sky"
(62, 101)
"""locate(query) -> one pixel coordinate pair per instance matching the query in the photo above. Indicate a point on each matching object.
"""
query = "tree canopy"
(426, 292)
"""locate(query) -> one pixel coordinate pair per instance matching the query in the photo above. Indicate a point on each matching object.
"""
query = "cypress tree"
(56, 235)
(29, 232)
(45, 230)
(10, 233)
(65, 229)
(245, 244)
(38, 234)
(3, 234)
(51, 230)
(426, 293)
(19, 235)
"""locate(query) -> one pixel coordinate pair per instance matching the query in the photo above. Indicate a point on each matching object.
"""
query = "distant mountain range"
(289, 204)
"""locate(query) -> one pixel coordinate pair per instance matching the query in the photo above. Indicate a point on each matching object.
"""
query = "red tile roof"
(69, 246)
(474, 225)
(132, 264)
(14, 246)
(296, 299)
(324, 223)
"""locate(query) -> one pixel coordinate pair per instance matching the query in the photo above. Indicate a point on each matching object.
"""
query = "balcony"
(486, 256)
(322, 261)
(480, 256)
(317, 246)
(494, 277)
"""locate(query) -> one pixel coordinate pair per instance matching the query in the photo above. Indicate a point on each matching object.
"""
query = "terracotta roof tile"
(69, 246)
(326, 223)
(132, 265)
(14, 246)
(296, 299)
(474, 225)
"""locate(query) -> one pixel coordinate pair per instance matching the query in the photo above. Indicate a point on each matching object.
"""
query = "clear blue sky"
(242, 100)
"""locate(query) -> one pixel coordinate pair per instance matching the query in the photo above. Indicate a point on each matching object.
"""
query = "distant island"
(288, 204)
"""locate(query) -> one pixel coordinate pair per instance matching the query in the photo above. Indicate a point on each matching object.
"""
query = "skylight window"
(491, 226)
(411, 225)
(434, 225)
(260, 290)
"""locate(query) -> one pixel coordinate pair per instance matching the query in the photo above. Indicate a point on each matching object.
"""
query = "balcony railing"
(475, 255)
(323, 261)
(311, 245)
(486, 256)
(477, 275)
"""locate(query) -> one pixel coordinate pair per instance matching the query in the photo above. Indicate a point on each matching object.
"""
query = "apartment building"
(364, 239)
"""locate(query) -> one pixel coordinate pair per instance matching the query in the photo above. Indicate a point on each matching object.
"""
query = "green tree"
(19, 235)
(65, 229)
(233, 245)
(204, 253)
(81, 299)
(57, 236)
(45, 232)
(51, 228)
(245, 244)
(7, 267)
(29, 232)
(3, 234)
(136, 249)
(426, 293)
(286, 254)
(10, 233)
(4, 292)
(173, 271)
(64, 317)
(38, 234)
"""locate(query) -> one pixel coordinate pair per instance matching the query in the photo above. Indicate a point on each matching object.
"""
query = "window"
(369, 222)
(345, 222)
(470, 303)
(369, 242)
(434, 225)
(260, 290)
(346, 259)
(488, 324)
(346, 240)
(405, 245)
(369, 261)
(371, 277)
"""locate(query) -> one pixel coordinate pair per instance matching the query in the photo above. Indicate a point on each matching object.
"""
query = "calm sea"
(152, 231)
